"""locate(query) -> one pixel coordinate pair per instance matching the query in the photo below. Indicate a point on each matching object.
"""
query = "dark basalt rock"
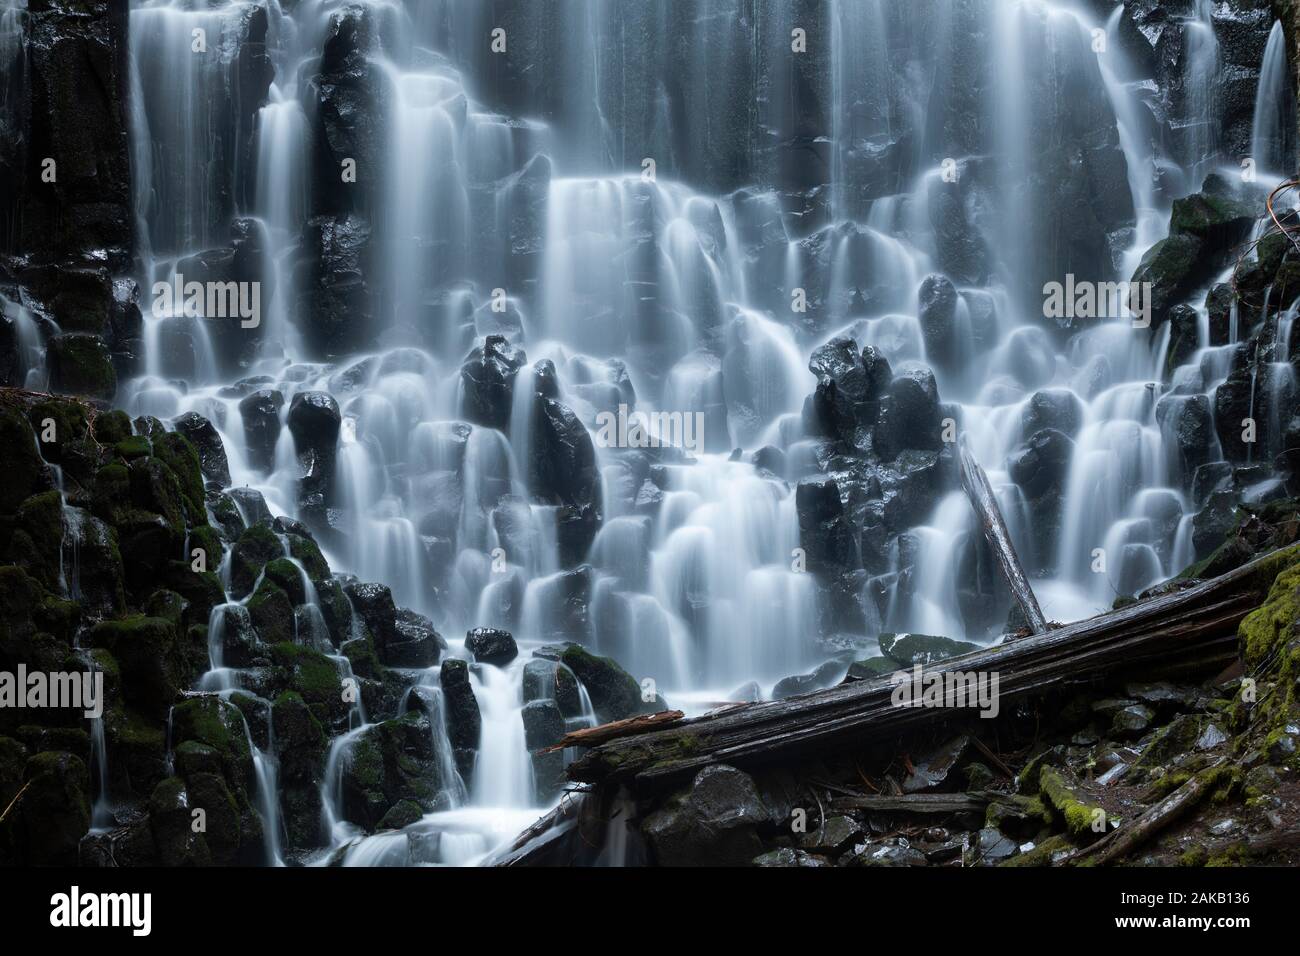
(463, 720)
(373, 604)
(488, 382)
(337, 307)
(910, 416)
(551, 680)
(491, 646)
(260, 412)
(1042, 463)
(937, 305)
(205, 438)
(415, 643)
(909, 649)
(714, 823)
(81, 365)
(613, 691)
(391, 762)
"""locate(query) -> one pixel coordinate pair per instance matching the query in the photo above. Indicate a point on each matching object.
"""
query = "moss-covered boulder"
(272, 614)
(391, 762)
(182, 458)
(156, 663)
(1173, 268)
(80, 364)
(301, 745)
(714, 822)
(614, 694)
(171, 820)
(461, 714)
(909, 649)
(26, 472)
(255, 547)
(218, 724)
(37, 539)
(315, 678)
(287, 576)
(47, 823)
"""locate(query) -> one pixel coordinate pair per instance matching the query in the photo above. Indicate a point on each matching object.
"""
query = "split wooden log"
(1192, 628)
(914, 803)
(985, 503)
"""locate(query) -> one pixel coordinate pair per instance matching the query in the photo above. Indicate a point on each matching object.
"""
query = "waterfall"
(789, 204)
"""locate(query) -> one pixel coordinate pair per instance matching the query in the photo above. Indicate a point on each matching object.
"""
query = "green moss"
(111, 427)
(305, 552)
(272, 614)
(133, 447)
(81, 365)
(38, 538)
(1270, 625)
(1194, 856)
(255, 547)
(180, 455)
(1077, 815)
(284, 574)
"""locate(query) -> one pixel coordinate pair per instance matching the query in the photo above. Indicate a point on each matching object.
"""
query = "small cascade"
(1272, 134)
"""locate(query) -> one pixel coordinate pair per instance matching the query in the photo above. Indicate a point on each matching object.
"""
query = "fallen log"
(914, 803)
(985, 503)
(1196, 626)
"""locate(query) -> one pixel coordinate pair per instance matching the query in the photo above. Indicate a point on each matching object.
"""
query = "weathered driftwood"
(602, 733)
(985, 503)
(1197, 626)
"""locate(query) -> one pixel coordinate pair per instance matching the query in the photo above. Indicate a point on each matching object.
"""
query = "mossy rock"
(1172, 742)
(255, 547)
(1043, 853)
(301, 745)
(80, 364)
(166, 604)
(26, 472)
(614, 694)
(391, 762)
(46, 825)
(1172, 266)
(909, 649)
(336, 610)
(272, 614)
(225, 513)
(111, 427)
(180, 455)
(306, 552)
(1267, 628)
(20, 596)
(156, 665)
(287, 576)
(206, 539)
(137, 750)
(38, 538)
(316, 678)
(402, 814)
(219, 724)
(171, 819)
(201, 590)
(133, 447)
(155, 489)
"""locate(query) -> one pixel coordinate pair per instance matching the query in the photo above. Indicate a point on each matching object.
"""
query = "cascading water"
(632, 292)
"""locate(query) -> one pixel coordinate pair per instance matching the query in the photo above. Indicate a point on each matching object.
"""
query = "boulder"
(489, 645)
(715, 822)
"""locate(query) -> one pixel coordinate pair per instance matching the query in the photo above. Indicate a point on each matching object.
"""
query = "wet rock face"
(206, 439)
(348, 91)
(391, 762)
(464, 722)
(78, 75)
(488, 377)
(714, 823)
(260, 412)
(492, 646)
(337, 307)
